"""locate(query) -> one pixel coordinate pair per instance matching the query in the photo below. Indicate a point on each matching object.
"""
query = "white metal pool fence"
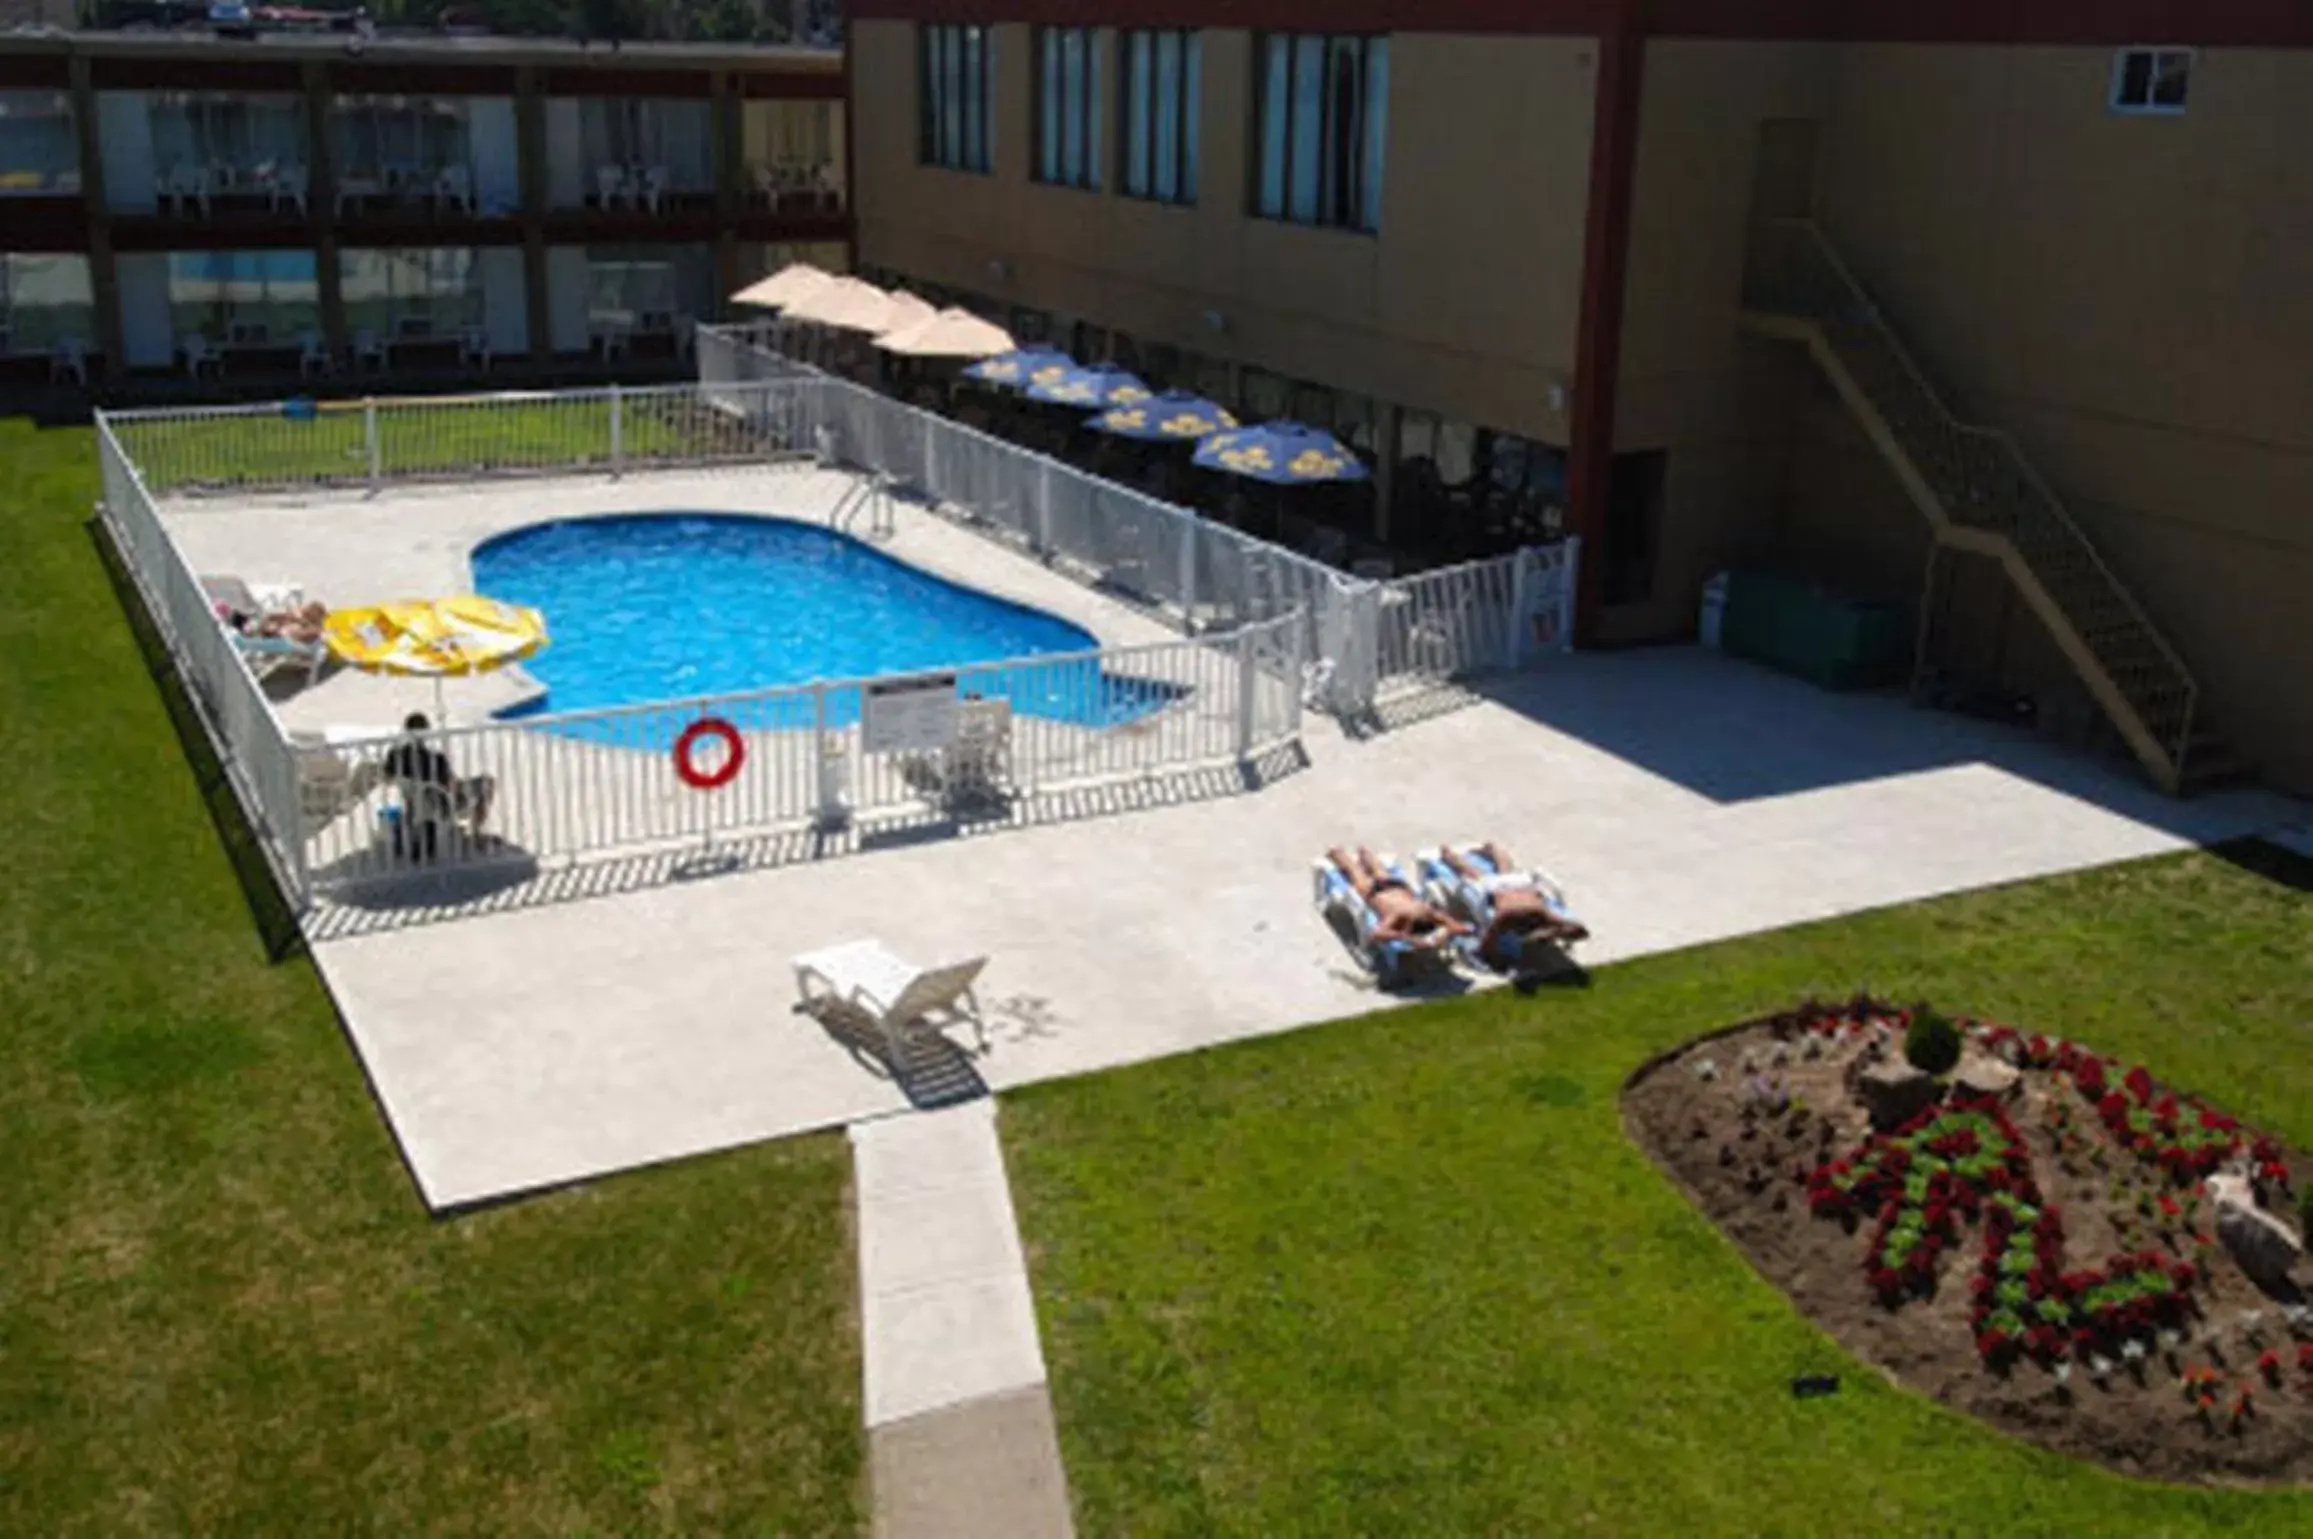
(328, 812)
(570, 784)
(242, 727)
(368, 444)
(1366, 639)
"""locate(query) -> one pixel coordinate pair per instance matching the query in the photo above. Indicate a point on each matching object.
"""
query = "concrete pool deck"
(591, 1021)
(347, 550)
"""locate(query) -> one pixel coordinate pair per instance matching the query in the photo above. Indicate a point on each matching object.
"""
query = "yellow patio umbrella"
(436, 638)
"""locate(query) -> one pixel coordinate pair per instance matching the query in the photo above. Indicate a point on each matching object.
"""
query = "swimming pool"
(671, 606)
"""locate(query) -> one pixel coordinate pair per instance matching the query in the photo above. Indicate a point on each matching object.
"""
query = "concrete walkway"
(960, 1430)
(608, 1017)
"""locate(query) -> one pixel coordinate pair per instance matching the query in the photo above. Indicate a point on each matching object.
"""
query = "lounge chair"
(1471, 900)
(1390, 961)
(865, 981)
(266, 655)
(335, 771)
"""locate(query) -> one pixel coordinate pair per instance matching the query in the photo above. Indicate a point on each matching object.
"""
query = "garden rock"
(1982, 1075)
(2264, 1246)
(1894, 1091)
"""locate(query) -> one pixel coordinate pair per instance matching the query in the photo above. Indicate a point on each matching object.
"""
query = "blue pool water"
(671, 606)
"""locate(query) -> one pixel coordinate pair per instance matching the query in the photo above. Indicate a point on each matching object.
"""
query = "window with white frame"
(955, 81)
(1068, 107)
(1163, 97)
(2151, 80)
(1324, 122)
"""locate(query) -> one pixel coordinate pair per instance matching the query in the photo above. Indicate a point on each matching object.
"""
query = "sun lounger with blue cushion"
(1474, 900)
(1392, 960)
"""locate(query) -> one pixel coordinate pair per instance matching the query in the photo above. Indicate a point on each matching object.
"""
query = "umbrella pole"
(441, 711)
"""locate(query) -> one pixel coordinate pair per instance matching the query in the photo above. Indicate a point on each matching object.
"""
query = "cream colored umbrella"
(846, 304)
(908, 311)
(949, 333)
(795, 281)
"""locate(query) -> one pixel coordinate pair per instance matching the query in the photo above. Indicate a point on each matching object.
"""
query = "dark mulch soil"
(1748, 1175)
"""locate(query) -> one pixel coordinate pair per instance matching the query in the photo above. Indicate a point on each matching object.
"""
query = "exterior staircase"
(1975, 487)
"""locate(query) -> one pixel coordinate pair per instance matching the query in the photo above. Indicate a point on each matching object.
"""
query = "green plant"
(1931, 1042)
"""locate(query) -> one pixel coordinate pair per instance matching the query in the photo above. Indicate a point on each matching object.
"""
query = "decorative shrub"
(1931, 1042)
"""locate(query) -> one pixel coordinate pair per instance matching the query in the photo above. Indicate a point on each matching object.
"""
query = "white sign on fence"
(910, 715)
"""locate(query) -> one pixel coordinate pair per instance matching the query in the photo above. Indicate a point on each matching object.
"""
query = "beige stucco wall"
(1691, 382)
(1464, 303)
(2133, 298)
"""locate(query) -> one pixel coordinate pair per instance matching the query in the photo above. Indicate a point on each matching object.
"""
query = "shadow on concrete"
(497, 867)
(518, 882)
(1733, 731)
(931, 1070)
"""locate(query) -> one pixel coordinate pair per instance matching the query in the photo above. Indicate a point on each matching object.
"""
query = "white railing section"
(232, 707)
(594, 782)
(367, 443)
(1195, 574)
(1499, 613)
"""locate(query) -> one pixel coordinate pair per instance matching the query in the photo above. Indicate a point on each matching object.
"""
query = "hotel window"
(196, 149)
(438, 151)
(46, 304)
(1068, 107)
(1324, 122)
(637, 153)
(2151, 80)
(955, 73)
(39, 149)
(1163, 93)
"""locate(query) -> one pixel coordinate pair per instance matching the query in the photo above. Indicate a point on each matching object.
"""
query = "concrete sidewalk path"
(960, 1430)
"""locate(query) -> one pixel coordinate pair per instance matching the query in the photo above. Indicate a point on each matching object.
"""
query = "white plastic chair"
(199, 355)
(865, 981)
(290, 183)
(609, 186)
(474, 346)
(312, 355)
(650, 187)
(452, 185)
(69, 357)
(368, 348)
(611, 338)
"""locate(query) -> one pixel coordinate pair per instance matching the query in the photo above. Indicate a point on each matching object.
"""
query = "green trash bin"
(1834, 640)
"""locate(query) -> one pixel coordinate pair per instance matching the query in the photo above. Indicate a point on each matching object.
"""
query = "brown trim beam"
(1618, 90)
(2086, 23)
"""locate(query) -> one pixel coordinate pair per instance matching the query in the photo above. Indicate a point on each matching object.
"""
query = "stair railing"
(1976, 471)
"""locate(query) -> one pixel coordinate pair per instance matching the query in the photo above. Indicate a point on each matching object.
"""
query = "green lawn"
(223, 1308)
(421, 438)
(1406, 1275)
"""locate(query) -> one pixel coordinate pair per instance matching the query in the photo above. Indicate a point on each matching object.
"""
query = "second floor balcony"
(638, 155)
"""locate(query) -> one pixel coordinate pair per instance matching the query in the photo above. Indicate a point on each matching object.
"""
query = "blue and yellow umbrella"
(1097, 386)
(1281, 453)
(1022, 367)
(1170, 416)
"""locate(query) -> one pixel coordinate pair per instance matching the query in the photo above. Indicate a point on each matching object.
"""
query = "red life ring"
(735, 753)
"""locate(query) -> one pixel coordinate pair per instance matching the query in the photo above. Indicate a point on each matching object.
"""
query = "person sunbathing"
(1522, 906)
(1402, 913)
(301, 625)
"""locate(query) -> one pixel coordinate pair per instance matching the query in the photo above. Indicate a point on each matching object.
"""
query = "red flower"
(2139, 1084)
(2269, 1364)
(2168, 1206)
(2305, 1356)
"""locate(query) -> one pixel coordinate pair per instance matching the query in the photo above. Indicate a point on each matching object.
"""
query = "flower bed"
(2041, 1254)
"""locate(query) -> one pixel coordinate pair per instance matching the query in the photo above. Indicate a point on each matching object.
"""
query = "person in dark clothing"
(434, 798)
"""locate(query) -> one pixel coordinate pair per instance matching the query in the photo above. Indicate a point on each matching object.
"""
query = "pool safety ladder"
(865, 507)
